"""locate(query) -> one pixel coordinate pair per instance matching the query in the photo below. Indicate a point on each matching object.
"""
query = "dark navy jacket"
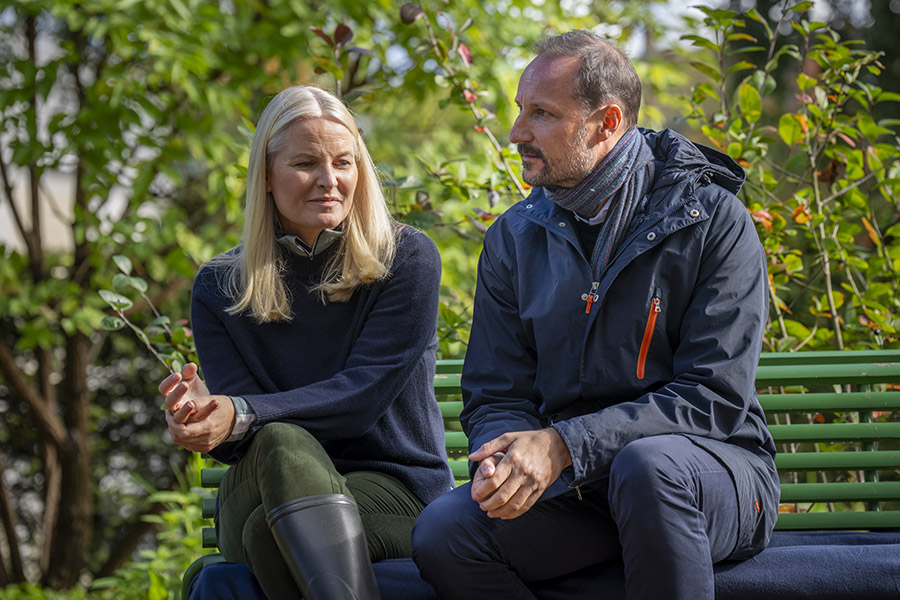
(670, 345)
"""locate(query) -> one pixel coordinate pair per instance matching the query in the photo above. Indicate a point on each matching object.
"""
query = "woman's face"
(313, 177)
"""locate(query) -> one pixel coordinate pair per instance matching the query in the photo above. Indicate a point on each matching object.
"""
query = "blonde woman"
(316, 337)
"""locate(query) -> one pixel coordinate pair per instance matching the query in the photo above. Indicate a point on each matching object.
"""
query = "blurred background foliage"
(125, 133)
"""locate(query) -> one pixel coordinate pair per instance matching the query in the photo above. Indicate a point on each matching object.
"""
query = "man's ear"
(609, 121)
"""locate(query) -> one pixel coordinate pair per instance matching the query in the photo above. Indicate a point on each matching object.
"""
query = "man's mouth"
(529, 152)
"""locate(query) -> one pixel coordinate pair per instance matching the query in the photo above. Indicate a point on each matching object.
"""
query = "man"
(609, 381)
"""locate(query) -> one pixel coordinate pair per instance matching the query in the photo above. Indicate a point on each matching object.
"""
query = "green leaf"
(750, 102)
(120, 281)
(802, 6)
(888, 97)
(804, 81)
(123, 262)
(115, 300)
(701, 42)
(162, 320)
(421, 219)
(790, 128)
(138, 284)
(707, 70)
(112, 323)
(754, 14)
(739, 66)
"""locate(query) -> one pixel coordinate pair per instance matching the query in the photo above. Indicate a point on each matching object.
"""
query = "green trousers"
(286, 462)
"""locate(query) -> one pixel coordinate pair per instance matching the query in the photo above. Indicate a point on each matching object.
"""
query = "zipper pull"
(590, 297)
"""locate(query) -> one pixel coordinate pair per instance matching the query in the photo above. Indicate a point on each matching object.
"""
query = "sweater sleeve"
(714, 362)
(398, 330)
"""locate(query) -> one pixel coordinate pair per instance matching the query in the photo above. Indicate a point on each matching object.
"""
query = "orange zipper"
(655, 309)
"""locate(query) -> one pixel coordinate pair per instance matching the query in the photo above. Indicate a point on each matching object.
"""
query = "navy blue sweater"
(358, 375)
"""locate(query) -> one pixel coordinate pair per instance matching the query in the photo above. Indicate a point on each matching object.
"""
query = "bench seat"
(807, 565)
(838, 531)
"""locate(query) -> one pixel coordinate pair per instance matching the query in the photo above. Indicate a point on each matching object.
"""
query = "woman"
(316, 337)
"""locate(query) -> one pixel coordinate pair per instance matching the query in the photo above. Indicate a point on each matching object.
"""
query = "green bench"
(830, 413)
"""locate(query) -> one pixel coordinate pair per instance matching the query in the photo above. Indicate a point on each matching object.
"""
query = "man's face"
(551, 130)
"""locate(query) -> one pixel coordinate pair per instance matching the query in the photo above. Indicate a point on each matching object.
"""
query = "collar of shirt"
(324, 240)
(598, 218)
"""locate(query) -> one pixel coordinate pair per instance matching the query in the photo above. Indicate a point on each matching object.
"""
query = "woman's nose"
(327, 178)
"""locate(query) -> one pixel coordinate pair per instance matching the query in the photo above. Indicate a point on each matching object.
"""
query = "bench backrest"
(831, 414)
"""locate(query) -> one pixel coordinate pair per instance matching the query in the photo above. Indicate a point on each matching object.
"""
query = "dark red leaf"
(409, 12)
(322, 35)
(466, 55)
(342, 34)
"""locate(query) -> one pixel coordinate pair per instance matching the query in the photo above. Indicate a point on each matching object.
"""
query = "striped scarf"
(621, 176)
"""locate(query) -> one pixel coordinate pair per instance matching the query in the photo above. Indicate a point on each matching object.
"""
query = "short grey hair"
(605, 74)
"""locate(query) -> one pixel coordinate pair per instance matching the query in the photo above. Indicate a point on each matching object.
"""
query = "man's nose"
(519, 134)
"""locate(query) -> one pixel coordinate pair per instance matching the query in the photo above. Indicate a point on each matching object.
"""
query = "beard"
(567, 170)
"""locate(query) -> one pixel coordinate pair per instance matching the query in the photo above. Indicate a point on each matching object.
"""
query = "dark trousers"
(286, 462)
(669, 509)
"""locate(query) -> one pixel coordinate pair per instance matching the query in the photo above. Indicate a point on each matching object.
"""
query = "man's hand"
(515, 470)
(197, 420)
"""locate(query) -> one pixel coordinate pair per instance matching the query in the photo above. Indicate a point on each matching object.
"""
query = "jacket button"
(651, 236)
(695, 213)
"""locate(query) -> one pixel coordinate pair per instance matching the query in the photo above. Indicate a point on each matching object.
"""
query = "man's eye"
(303, 164)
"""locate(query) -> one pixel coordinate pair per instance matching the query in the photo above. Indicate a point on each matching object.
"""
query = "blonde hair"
(254, 275)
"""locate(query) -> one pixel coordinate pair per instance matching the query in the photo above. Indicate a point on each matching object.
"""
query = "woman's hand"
(197, 420)
(183, 393)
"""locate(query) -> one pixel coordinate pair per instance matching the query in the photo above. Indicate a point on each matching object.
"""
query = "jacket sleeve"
(499, 372)
(714, 360)
(398, 331)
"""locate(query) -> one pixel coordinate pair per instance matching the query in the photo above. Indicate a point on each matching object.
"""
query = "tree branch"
(46, 419)
(127, 543)
(8, 516)
(7, 189)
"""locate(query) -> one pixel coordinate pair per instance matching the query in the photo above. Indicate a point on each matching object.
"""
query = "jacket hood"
(679, 157)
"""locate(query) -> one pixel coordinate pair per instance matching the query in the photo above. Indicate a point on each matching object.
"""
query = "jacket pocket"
(655, 309)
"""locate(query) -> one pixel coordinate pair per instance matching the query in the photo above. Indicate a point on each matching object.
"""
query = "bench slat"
(835, 432)
(829, 401)
(818, 374)
(830, 461)
(889, 519)
(829, 357)
(208, 507)
(839, 492)
(211, 477)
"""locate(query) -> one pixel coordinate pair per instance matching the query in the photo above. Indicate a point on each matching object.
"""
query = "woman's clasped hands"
(197, 420)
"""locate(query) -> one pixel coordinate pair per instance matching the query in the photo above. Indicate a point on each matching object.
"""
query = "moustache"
(530, 150)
